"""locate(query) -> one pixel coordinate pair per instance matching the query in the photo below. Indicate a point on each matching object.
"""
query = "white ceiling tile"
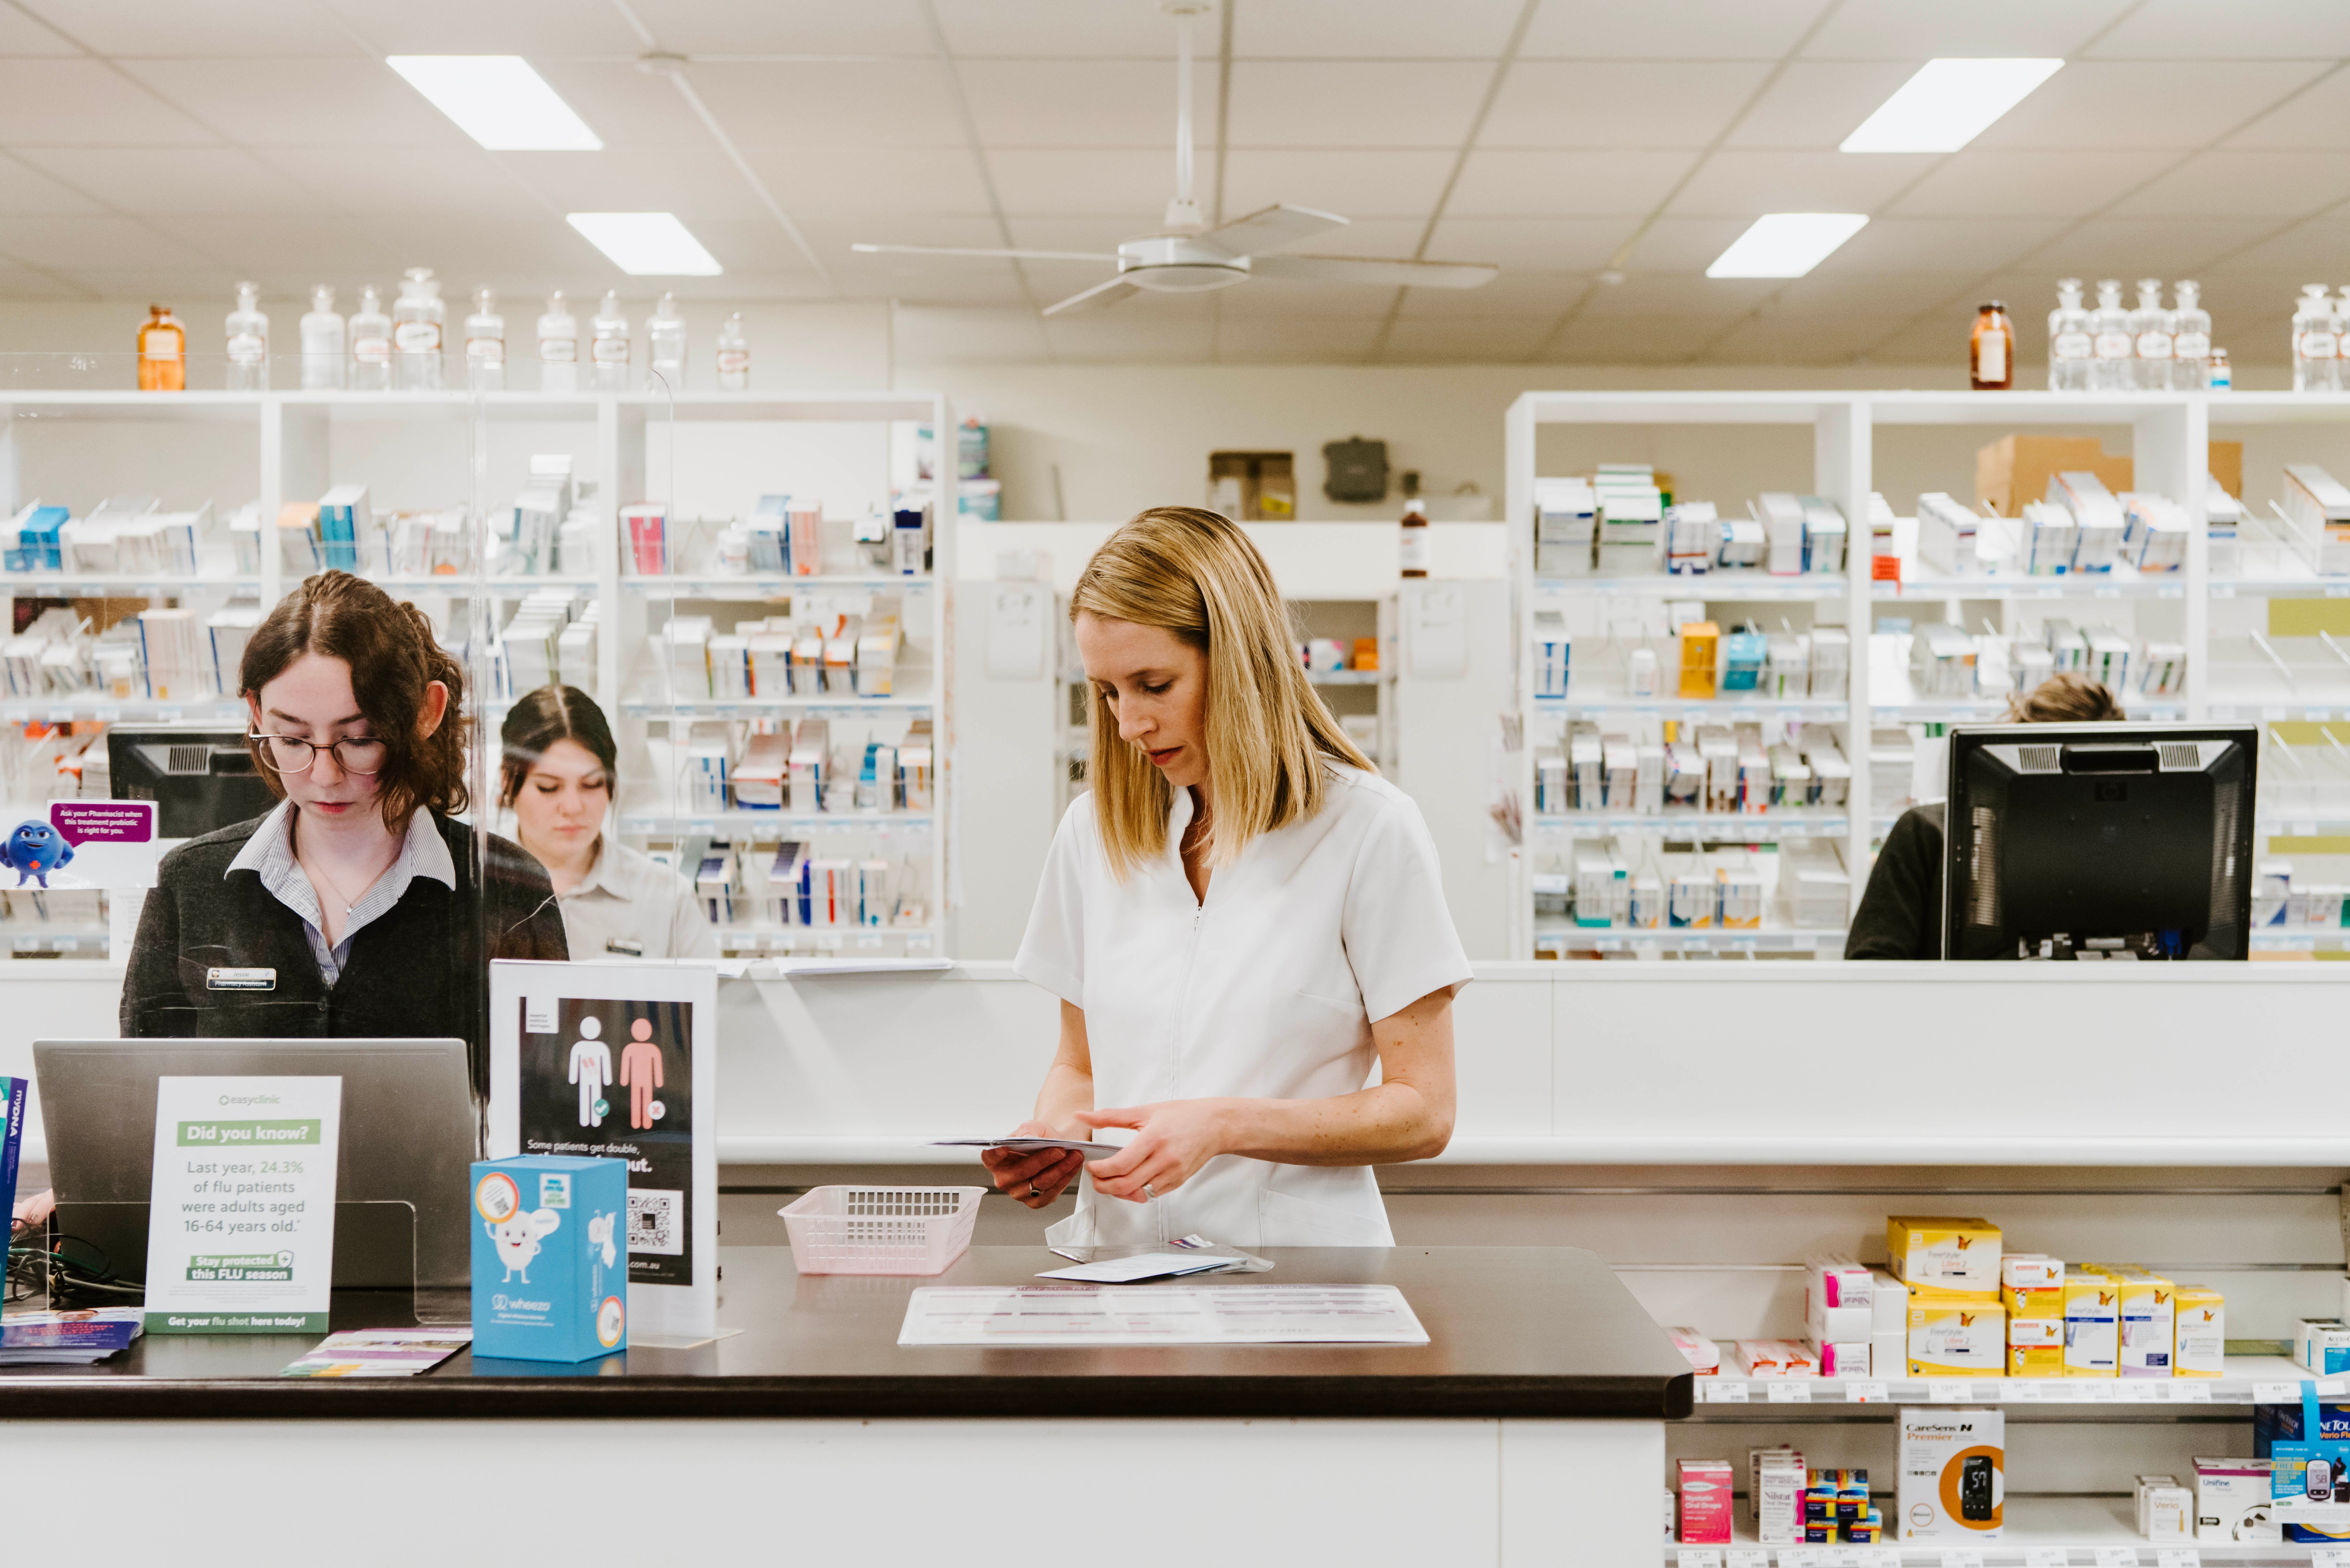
(1552, 244)
(976, 283)
(1790, 339)
(161, 285)
(623, 106)
(751, 244)
(20, 35)
(1078, 103)
(438, 181)
(1816, 104)
(1065, 28)
(1100, 235)
(1509, 184)
(1348, 29)
(855, 181)
(182, 180)
(787, 27)
(2305, 253)
(1387, 239)
(922, 335)
(2265, 184)
(1628, 340)
(2318, 116)
(1688, 29)
(1905, 30)
(1748, 183)
(1159, 331)
(2194, 29)
(1090, 181)
(2132, 249)
(1880, 301)
(2145, 104)
(838, 103)
(1925, 244)
(25, 189)
(1355, 103)
(1466, 341)
(216, 27)
(1300, 342)
(1581, 103)
(1713, 299)
(326, 103)
(69, 243)
(1513, 293)
(645, 180)
(1351, 183)
(534, 27)
(24, 283)
(1684, 245)
(1983, 184)
(334, 248)
(83, 103)
(833, 236)
(1266, 299)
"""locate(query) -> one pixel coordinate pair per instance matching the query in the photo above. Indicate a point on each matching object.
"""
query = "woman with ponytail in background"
(358, 907)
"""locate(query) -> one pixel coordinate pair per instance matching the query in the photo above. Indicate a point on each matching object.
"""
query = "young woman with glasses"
(357, 907)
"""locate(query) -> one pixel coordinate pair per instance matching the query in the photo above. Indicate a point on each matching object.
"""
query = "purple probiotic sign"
(81, 822)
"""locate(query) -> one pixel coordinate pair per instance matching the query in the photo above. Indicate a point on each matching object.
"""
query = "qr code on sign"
(655, 1221)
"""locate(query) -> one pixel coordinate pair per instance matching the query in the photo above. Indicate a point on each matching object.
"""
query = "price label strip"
(2330, 1557)
(2116, 1557)
(1702, 1557)
(2178, 1557)
(1963, 1560)
(1747, 1557)
(2043, 1557)
(1865, 1392)
(1950, 1390)
(1731, 1391)
(1791, 1391)
(2276, 1393)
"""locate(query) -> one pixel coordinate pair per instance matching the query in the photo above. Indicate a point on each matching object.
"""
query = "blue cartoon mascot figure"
(35, 849)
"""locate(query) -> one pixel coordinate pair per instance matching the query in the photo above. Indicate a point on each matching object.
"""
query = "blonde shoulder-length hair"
(1195, 573)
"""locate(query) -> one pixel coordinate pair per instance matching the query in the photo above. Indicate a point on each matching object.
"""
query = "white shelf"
(734, 821)
(88, 706)
(20, 938)
(2118, 584)
(777, 585)
(1993, 710)
(1669, 939)
(2245, 1379)
(135, 585)
(1734, 583)
(1740, 708)
(767, 707)
(2081, 1526)
(1757, 828)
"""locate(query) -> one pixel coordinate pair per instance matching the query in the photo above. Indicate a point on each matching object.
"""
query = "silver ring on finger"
(1034, 1190)
(1148, 1196)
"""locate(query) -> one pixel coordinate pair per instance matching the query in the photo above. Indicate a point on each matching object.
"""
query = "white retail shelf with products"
(1660, 939)
(453, 448)
(2094, 1531)
(1742, 826)
(2247, 1380)
(2243, 662)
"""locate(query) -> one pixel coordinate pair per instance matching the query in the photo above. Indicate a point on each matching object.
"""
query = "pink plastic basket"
(880, 1230)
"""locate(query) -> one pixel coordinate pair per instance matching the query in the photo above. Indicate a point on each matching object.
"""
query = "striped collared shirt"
(270, 853)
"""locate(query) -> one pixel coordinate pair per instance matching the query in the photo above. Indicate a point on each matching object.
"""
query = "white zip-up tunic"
(1266, 990)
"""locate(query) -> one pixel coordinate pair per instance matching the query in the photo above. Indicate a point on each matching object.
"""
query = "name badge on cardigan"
(240, 980)
(624, 946)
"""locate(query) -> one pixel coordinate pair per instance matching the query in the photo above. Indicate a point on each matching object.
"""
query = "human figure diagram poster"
(616, 1061)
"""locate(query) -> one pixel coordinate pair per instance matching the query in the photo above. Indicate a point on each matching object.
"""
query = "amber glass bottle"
(1990, 353)
(163, 353)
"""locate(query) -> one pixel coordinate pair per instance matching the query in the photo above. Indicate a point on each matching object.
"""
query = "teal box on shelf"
(550, 1260)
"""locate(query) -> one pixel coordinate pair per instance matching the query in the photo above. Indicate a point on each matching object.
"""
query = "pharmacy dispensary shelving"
(660, 492)
(2237, 632)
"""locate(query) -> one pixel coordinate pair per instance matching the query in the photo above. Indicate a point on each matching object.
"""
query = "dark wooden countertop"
(1524, 1332)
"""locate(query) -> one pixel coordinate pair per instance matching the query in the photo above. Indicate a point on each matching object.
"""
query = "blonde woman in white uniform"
(1242, 921)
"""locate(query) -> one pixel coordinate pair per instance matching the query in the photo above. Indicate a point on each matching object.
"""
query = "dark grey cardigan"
(420, 970)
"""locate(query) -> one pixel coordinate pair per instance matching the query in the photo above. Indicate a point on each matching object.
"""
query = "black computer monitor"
(201, 778)
(2062, 840)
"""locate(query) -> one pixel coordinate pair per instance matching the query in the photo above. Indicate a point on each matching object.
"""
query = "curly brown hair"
(394, 659)
(2066, 700)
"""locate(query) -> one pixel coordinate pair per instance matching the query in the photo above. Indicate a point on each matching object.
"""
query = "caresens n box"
(550, 1264)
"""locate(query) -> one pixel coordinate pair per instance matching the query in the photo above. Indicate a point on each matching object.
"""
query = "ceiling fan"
(1190, 257)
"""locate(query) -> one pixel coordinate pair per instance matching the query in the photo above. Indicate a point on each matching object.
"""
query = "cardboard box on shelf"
(1952, 1483)
(2015, 469)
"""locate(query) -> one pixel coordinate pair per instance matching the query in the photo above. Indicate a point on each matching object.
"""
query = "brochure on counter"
(380, 1352)
(67, 1338)
(1085, 1317)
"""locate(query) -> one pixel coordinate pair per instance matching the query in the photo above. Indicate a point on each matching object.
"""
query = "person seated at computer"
(357, 907)
(1900, 914)
(558, 777)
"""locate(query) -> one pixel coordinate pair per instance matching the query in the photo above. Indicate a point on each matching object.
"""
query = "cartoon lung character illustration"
(517, 1238)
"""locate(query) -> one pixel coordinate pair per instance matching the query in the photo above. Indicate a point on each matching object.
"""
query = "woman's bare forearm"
(1068, 1090)
(1385, 1124)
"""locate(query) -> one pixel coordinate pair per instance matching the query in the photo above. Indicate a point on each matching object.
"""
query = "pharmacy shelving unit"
(2296, 684)
(1838, 472)
(424, 448)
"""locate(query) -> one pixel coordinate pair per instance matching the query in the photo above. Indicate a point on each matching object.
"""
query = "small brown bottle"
(1415, 547)
(1991, 352)
(163, 353)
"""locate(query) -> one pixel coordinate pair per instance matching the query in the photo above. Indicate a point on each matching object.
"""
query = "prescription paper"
(1085, 1316)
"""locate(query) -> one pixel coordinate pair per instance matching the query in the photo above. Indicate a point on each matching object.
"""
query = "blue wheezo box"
(550, 1268)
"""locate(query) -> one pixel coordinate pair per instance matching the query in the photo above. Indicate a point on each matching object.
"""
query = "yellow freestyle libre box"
(1944, 1254)
(2093, 1320)
(1953, 1336)
(2201, 1346)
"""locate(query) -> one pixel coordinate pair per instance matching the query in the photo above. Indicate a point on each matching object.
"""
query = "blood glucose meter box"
(1952, 1484)
(550, 1259)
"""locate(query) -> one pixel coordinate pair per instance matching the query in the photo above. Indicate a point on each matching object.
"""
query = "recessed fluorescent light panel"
(1948, 104)
(499, 101)
(646, 244)
(1785, 244)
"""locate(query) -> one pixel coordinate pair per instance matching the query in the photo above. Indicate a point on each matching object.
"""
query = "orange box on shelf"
(1701, 646)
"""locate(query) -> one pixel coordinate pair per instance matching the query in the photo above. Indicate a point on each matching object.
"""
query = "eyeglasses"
(361, 755)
